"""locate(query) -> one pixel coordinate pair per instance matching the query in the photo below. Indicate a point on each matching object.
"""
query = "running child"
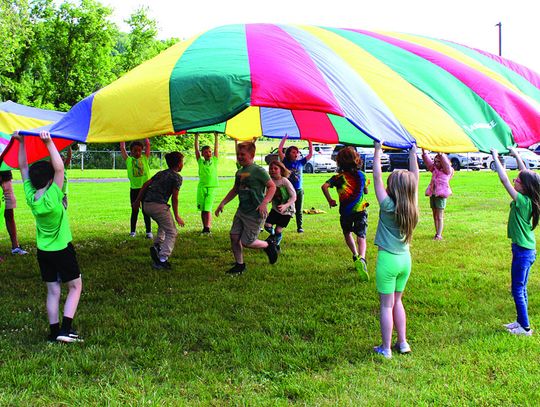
(155, 195)
(282, 202)
(522, 220)
(255, 190)
(55, 254)
(10, 203)
(295, 164)
(208, 181)
(438, 189)
(138, 171)
(398, 217)
(352, 185)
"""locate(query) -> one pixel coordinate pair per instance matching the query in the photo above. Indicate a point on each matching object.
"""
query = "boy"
(138, 171)
(56, 255)
(208, 181)
(155, 194)
(250, 184)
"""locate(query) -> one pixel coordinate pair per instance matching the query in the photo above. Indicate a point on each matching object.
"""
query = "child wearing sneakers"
(282, 202)
(155, 195)
(255, 189)
(522, 220)
(208, 181)
(9, 215)
(56, 255)
(138, 171)
(398, 216)
(351, 184)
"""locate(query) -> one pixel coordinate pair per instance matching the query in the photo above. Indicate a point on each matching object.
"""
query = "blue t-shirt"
(296, 168)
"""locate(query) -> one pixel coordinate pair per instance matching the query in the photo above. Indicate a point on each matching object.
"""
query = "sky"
(471, 22)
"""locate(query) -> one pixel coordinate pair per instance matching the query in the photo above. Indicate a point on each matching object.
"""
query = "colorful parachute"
(14, 116)
(318, 83)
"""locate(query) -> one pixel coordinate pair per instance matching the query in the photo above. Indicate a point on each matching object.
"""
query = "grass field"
(299, 332)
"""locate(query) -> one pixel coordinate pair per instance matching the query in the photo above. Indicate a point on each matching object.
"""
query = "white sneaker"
(511, 325)
(132, 234)
(519, 330)
(387, 353)
(19, 250)
(402, 348)
(149, 235)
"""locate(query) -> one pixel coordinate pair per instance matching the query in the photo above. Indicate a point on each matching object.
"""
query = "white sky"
(470, 22)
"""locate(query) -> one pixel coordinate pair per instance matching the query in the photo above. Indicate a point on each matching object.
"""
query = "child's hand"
(494, 152)
(179, 221)
(413, 147)
(219, 209)
(45, 136)
(17, 136)
(263, 210)
(332, 203)
(281, 208)
(136, 204)
(513, 151)
(378, 145)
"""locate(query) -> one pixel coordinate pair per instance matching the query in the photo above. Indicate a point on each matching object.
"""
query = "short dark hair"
(205, 148)
(41, 173)
(135, 144)
(174, 158)
(5, 176)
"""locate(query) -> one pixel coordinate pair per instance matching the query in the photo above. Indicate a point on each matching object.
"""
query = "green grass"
(298, 332)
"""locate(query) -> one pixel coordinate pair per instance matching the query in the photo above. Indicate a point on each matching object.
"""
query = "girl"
(351, 184)
(438, 189)
(138, 171)
(398, 217)
(9, 216)
(282, 203)
(295, 164)
(523, 218)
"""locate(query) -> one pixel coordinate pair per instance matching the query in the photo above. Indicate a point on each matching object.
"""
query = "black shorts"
(276, 218)
(59, 265)
(355, 222)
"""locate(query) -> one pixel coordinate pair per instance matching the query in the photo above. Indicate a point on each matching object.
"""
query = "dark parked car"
(366, 154)
(399, 159)
(272, 155)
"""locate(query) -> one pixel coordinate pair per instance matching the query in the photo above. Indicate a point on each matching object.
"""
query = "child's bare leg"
(439, 224)
(386, 319)
(53, 302)
(73, 296)
(361, 246)
(351, 244)
(400, 318)
(258, 244)
(206, 218)
(237, 249)
(11, 227)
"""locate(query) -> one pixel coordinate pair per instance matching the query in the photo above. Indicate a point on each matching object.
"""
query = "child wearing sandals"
(398, 217)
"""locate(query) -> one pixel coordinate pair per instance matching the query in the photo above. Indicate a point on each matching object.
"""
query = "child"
(398, 217)
(351, 184)
(55, 253)
(523, 218)
(282, 202)
(138, 171)
(9, 216)
(155, 194)
(438, 189)
(255, 189)
(295, 164)
(208, 181)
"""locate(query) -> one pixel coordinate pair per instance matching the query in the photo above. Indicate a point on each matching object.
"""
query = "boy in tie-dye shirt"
(351, 185)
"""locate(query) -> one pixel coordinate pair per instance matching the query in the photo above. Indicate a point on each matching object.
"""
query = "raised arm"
(427, 160)
(123, 151)
(519, 160)
(310, 153)
(216, 144)
(445, 164)
(503, 176)
(280, 148)
(413, 162)
(23, 162)
(147, 147)
(56, 158)
(378, 184)
(196, 147)
(69, 154)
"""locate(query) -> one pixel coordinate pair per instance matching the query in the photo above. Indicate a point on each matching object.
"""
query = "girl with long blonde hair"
(398, 217)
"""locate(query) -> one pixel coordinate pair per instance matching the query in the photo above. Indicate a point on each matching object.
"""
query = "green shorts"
(437, 202)
(205, 198)
(393, 271)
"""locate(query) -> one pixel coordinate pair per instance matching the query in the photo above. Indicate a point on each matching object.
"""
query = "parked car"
(399, 159)
(325, 149)
(535, 149)
(366, 154)
(318, 163)
(472, 161)
(530, 159)
(272, 155)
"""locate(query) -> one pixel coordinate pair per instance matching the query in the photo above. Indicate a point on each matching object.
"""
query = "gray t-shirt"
(388, 236)
(162, 185)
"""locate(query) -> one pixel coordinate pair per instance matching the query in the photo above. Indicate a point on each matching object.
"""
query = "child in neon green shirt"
(208, 181)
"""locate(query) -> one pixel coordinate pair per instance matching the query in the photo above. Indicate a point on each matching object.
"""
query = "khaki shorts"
(247, 227)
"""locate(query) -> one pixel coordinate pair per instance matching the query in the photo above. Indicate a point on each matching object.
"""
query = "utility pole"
(499, 24)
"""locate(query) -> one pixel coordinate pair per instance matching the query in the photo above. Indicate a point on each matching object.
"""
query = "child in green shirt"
(56, 256)
(208, 181)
